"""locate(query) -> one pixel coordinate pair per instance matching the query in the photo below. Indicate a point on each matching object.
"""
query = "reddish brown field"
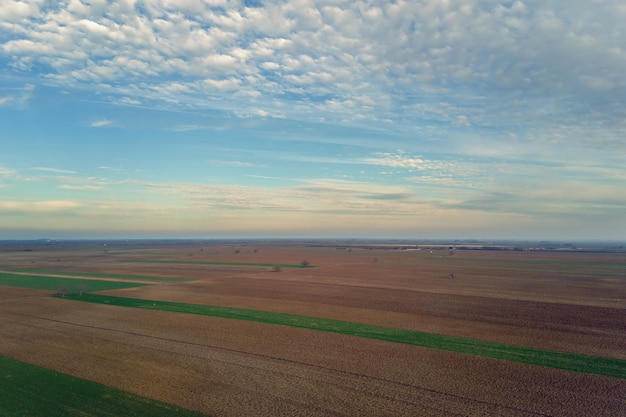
(568, 302)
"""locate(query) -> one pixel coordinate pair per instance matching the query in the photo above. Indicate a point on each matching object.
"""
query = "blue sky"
(219, 118)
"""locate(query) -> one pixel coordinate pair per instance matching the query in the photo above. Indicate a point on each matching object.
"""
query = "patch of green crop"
(30, 391)
(164, 261)
(101, 275)
(571, 362)
(42, 282)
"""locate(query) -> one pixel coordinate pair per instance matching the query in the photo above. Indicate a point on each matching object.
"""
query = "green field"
(166, 261)
(101, 275)
(42, 282)
(560, 360)
(30, 391)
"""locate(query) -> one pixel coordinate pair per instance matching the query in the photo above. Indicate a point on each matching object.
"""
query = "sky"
(398, 119)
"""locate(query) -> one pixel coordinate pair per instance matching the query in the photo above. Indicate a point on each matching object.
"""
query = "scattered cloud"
(238, 164)
(398, 160)
(380, 108)
(187, 128)
(5, 100)
(54, 170)
(101, 123)
(442, 168)
(462, 120)
(129, 101)
(330, 58)
(18, 97)
(256, 112)
(308, 196)
(80, 187)
(6, 172)
(38, 206)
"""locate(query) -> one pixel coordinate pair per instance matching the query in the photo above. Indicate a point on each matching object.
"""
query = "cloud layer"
(349, 60)
(438, 110)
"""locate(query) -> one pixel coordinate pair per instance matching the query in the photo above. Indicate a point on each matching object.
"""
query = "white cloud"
(256, 112)
(398, 160)
(80, 187)
(13, 11)
(308, 196)
(19, 97)
(354, 33)
(5, 99)
(423, 65)
(128, 101)
(228, 84)
(39, 206)
(6, 172)
(187, 128)
(462, 120)
(54, 170)
(101, 123)
(238, 164)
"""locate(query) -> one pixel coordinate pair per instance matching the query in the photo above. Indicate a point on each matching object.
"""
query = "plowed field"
(564, 302)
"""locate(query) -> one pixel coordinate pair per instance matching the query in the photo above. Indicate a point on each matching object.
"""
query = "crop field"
(578, 363)
(27, 390)
(216, 263)
(215, 329)
(46, 282)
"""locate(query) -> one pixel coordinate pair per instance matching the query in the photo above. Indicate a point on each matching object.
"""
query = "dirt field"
(567, 302)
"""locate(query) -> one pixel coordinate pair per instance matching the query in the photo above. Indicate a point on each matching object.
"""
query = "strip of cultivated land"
(532, 261)
(559, 360)
(63, 284)
(168, 261)
(93, 275)
(525, 265)
(577, 363)
(367, 332)
(28, 390)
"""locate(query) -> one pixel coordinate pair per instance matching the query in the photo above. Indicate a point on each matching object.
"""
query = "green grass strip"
(101, 275)
(560, 360)
(164, 261)
(42, 282)
(30, 391)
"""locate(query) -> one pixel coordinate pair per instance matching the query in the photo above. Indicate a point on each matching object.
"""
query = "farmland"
(27, 390)
(212, 328)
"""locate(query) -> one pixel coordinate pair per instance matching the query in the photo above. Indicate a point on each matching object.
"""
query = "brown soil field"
(569, 302)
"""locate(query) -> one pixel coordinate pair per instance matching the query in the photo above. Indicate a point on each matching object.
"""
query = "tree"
(64, 290)
(81, 288)
(305, 263)
(277, 268)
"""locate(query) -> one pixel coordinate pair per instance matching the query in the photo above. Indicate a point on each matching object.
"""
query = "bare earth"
(559, 301)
